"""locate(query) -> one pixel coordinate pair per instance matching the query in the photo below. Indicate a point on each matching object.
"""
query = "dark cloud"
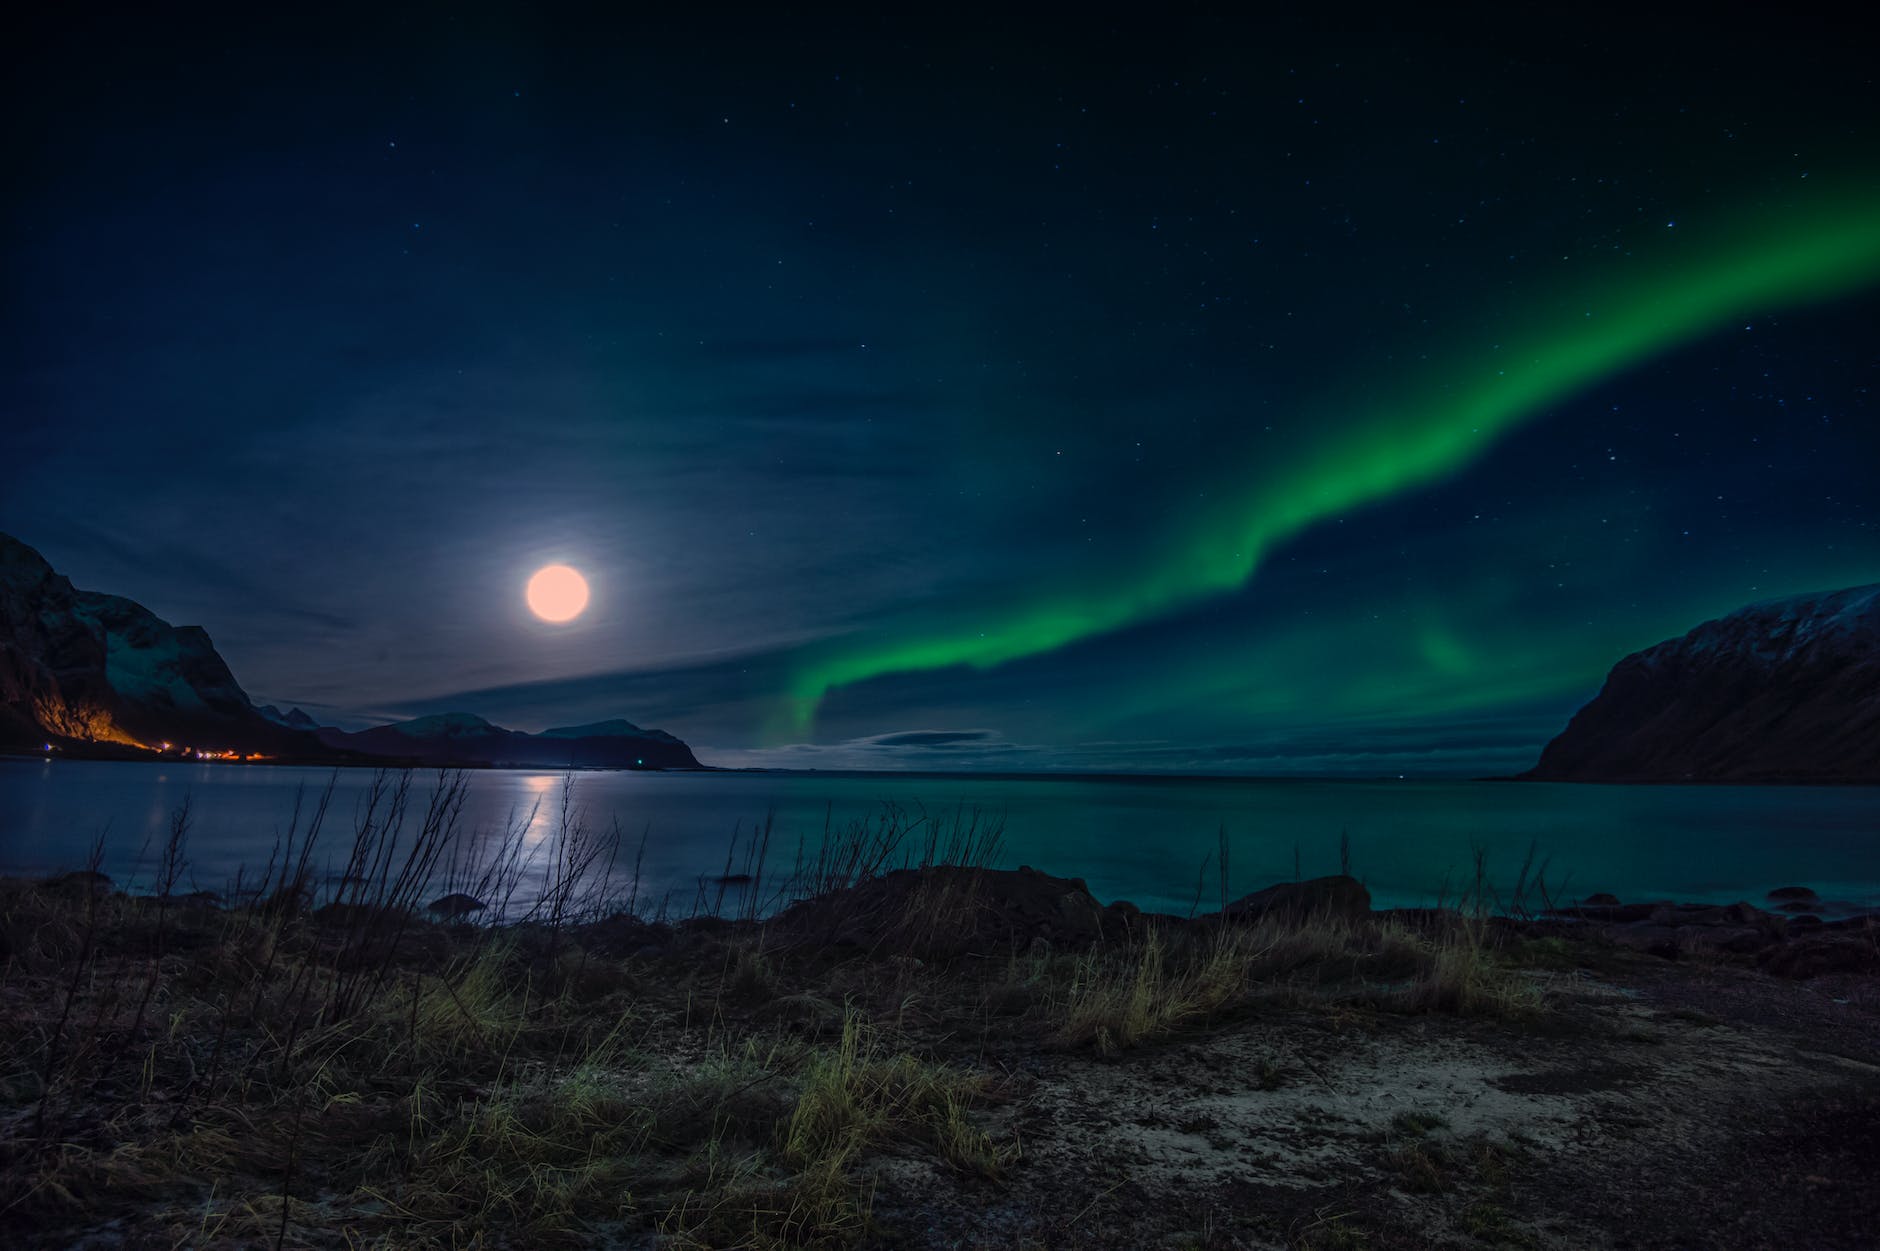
(935, 750)
(932, 738)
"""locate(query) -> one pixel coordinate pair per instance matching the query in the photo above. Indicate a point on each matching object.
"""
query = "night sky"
(1178, 396)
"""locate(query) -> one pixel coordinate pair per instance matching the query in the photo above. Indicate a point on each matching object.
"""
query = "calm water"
(1139, 839)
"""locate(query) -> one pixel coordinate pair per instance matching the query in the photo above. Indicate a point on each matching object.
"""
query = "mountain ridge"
(461, 737)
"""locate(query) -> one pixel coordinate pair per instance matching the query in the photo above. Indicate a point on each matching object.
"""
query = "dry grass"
(1462, 974)
(1117, 998)
(454, 1106)
(859, 1095)
(281, 1074)
(1115, 1001)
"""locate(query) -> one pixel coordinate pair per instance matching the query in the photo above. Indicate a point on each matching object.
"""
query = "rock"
(804, 1013)
(1079, 915)
(79, 882)
(1818, 953)
(1610, 914)
(949, 910)
(1653, 939)
(341, 914)
(1736, 914)
(1791, 892)
(1601, 900)
(456, 906)
(1737, 939)
(1338, 896)
(623, 934)
(289, 900)
(1739, 914)
(1122, 920)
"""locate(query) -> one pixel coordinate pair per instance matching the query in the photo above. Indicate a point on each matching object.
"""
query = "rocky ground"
(943, 1058)
(1674, 1106)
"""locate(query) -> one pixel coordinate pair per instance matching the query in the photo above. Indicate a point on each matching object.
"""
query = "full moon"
(557, 593)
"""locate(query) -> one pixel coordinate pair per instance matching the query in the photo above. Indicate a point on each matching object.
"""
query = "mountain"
(293, 718)
(463, 738)
(83, 669)
(1782, 691)
(99, 674)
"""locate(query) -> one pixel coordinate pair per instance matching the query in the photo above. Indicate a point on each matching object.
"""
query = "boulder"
(1339, 896)
(80, 882)
(1737, 939)
(947, 910)
(1610, 914)
(1730, 916)
(624, 934)
(1653, 939)
(456, 906)
(1819, 953)
(1785, 893)
(1601, 900)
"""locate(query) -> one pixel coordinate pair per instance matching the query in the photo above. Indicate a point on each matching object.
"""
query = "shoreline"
(1413, 842)
(382, 763)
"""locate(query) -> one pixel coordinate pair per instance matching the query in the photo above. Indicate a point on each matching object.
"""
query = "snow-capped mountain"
(1787, 690)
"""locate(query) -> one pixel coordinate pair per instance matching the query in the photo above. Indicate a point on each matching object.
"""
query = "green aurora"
(1420, 428)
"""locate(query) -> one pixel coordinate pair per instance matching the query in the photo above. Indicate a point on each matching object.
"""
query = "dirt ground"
(1656, 1105)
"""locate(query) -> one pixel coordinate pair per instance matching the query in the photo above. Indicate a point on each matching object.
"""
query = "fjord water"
(1143, 839)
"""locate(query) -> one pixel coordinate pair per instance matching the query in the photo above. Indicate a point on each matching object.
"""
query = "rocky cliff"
(85, 668)
(1782, 691)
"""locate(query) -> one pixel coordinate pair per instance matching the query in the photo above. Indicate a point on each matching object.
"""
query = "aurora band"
(1431, 424)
